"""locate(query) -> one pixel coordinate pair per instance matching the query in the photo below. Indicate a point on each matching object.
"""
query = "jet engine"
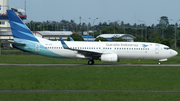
(109, 58)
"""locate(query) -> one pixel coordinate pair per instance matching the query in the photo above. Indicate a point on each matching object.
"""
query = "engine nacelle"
(109, 58)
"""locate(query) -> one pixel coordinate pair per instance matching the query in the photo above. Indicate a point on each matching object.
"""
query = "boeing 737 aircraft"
(103, 51)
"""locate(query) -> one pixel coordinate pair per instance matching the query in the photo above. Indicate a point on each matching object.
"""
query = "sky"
(128, 11)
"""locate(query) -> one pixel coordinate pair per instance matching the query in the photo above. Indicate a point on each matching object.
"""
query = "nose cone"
(174, 53)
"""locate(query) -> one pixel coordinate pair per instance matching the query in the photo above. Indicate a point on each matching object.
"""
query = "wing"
(90, 54)
(87, 53)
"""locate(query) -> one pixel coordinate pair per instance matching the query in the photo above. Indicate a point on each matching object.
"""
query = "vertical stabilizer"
(19, 29)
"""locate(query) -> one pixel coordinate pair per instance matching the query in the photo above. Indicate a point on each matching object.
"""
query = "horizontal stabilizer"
(12, 42)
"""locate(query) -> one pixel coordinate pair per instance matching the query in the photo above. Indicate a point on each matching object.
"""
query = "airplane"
(71, 39)
(104, 51)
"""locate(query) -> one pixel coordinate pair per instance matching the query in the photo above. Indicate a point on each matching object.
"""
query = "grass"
(90, 78)
(89, 97)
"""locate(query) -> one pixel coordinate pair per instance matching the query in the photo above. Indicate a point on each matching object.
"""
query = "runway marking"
(83, 91)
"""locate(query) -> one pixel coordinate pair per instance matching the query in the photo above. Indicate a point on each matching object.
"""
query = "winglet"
(71, 39)
(64, 44)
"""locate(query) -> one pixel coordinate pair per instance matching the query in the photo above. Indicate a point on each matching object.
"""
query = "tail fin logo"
(18, 28)
(37, 47)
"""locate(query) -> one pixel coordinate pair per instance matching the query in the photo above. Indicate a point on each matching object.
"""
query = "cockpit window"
(167, 48)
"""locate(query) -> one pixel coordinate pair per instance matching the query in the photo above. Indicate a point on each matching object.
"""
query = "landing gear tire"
(91, 62)
(159, 63)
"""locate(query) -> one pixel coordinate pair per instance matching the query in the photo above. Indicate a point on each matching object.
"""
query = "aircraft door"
(157, 49)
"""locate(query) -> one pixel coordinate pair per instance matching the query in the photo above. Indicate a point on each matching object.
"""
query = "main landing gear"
(91, 62)
(159, 63)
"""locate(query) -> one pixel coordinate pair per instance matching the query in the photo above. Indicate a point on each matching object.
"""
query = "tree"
(104, 24)
(139, 38)
(158, 39)
(76, 37)
(2, 45)
(84, 27)
(89, 26)
(153, 35)
(164, 21)
(178, 43)
(166, 42)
